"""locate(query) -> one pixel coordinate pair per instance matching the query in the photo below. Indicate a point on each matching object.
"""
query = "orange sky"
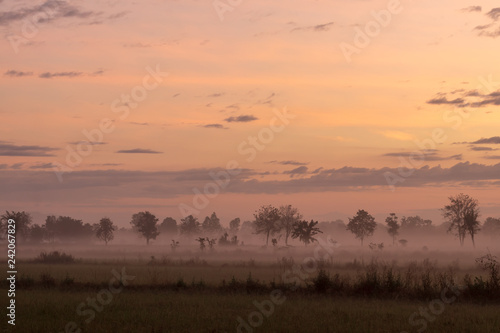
(428, 68)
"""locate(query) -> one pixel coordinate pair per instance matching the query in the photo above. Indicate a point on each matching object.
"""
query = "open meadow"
(324, 287)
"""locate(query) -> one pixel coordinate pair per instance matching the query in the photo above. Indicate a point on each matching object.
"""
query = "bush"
(322, 282)
(54, 257)
(68, 281)
(47, 280)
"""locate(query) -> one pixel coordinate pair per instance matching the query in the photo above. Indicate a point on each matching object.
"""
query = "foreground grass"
(188, 311)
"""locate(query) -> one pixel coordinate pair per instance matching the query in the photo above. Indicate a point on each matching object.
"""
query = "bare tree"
(462, 213)
(362, 225)
(289, 216)
(267, 221)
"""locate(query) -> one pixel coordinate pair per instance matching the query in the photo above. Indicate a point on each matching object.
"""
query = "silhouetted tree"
(462, 213)
(189, 225)
(202, 240)
(305, 231)
(393, 226)
(174, 245)
(211, 224)
(66, 228)
(145, 224)
(414, 222)
(211, 243)
(267, 221)
(23, 221)
(104, 230)
(362, 225)
(289, 216)
(491, 227)
(168, 226)
(234, 225)
(37, 233)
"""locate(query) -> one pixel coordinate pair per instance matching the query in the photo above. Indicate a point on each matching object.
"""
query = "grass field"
(249, 292)
(168, 311)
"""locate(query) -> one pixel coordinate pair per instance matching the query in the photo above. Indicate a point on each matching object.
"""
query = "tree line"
(284, 222)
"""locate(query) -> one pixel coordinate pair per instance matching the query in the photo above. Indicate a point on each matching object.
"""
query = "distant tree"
(491, 226)
(174, 245)
(37, 233)
(145, 224)
(50, 227)
(462, 213)
(189, 225)
(393, 226)
(104, 230)
(234, 225)
(247, 227)
(224, 239)
(267, 221)
(168, 226)
(414, 222)
(201, 240)
(305, 231)
(23, 221)
(403, 242)
(66, 228)
(211, 243)
(211, 224)
(362, 225)
(375, 246)
(289, 216)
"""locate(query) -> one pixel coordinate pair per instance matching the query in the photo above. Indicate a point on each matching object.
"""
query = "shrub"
(47, 280)
(54, 257)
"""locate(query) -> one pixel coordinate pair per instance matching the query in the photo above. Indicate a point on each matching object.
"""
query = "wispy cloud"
(42, 166)
(495, 140)
(218, 126)
(287, 162)
(492, 140)
(138, 151)
(315, 28)
(491, 29)
(49, 75)
(301, 170)
(470, 98)
(216, 95)
(241, 119)
(471, 9)
(444, 100)
(87, 143)
(14, 73)
(474, 148)
(8, 149)
(425, 155)
(52, 10)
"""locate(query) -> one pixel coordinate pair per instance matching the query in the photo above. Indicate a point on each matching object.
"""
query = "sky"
(186, 107)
